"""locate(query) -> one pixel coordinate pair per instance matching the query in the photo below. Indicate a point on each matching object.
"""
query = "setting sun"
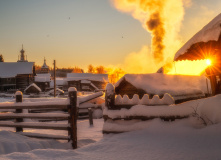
(208, 62)
(188, 67)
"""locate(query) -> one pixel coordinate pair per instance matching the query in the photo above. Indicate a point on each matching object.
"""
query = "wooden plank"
(36, 125)
(90, 97)
(34, 115)
(44, 136)
(34, 106)
(145, 118)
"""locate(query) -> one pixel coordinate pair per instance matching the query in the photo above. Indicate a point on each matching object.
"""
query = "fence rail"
(19, 124)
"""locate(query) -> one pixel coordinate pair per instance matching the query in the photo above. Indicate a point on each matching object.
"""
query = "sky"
(83, 32)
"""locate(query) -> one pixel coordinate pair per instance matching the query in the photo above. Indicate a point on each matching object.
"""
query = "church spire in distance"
(22, 56)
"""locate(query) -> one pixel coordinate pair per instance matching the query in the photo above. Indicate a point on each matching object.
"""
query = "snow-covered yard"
(181, 139)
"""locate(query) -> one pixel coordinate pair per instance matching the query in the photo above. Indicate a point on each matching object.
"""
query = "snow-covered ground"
(181, 139)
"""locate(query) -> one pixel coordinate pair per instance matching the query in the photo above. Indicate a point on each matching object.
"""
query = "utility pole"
(54, 78)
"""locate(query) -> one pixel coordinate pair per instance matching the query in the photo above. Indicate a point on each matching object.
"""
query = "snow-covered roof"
(11, 69)
(33, 85)
(87, 76)
(210, 32)
(59, 82)
(45, 77)
(57, 89)
(175, 85)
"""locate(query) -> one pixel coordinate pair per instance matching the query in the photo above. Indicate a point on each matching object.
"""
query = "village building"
(180, 87)
(87, 81)
(44, 67)
(43, 81)
(43, 78)
(16, 75)
(32, 89)
(206, 44)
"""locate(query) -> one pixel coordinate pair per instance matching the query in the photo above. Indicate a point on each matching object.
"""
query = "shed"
(33, 88)
(180, 87)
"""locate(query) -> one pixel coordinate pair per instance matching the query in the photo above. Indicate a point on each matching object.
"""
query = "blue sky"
(82, 32)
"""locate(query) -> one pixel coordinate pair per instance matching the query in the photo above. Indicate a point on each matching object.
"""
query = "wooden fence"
(150, 109)
(71, 116)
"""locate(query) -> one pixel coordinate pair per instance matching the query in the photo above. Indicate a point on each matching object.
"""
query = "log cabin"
(16, 75)
(43, 81)
(206, 44)
(180, 87)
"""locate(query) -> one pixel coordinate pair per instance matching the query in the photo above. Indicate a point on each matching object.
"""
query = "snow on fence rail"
(69, 104)
(121, 113)
(119, 102)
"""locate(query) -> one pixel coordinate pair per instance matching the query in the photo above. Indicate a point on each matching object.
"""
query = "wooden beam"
(44, 136)
(33, 106)
(36, 125)
(34, 115)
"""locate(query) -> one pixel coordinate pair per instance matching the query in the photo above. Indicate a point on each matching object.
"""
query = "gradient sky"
(82, 32)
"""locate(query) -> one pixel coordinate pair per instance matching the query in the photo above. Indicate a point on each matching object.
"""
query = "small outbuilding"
(180, 87)
(32, 89)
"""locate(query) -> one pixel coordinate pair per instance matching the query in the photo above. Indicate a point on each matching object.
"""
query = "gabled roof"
(11, 69)
(87, 76)
(158, 83)
(34, 86)
(208, 35)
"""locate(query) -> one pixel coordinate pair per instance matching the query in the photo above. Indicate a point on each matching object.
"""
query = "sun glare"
(208, 62)
(189, 67)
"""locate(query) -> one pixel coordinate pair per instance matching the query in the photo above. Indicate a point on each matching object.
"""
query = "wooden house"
(181, 88)
(43, 81)
(32, 89)
(206, 44)
(87, 81)
(16, 75)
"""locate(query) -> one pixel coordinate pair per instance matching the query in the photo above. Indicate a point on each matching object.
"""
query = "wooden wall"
(128, 89)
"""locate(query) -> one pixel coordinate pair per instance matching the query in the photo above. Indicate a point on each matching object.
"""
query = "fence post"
(90, 112)
(110, 96)
(72, 93)
(18, 96)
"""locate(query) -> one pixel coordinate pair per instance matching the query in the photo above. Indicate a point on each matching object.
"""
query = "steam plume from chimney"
(162, 18)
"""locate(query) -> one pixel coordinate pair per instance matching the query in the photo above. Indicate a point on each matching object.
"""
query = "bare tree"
(77, 70)
(100, 70)
(91, 69)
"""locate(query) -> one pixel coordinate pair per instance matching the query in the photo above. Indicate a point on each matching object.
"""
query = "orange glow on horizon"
(188, 67)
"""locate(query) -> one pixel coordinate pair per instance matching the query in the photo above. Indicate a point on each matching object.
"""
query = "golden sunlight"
(208, 62)
(188, 67)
